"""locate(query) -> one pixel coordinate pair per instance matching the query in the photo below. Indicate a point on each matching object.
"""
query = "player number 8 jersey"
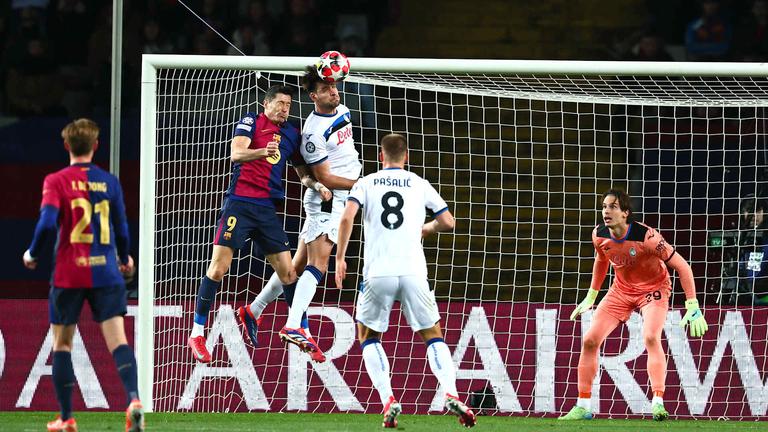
(394, 203)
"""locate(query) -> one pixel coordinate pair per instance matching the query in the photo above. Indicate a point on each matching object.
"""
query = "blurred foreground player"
(91, 256)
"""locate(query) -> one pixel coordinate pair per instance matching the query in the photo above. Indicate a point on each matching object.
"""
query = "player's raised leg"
(220, 262)
(318, 252)
(602, 325)
(654, 317)
(269, 293)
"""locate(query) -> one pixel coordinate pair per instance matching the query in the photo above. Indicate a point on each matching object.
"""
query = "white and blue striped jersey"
(329, 137)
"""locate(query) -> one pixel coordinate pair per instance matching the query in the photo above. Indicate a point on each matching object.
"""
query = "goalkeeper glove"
(585, 304)
(694, 315)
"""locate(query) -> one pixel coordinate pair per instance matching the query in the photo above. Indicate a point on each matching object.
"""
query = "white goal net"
(522, 152)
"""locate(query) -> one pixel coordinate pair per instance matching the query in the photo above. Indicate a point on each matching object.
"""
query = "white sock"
(441, 363)
(268, 294)
(377, 365)
(197, 330)
(657, 400)
(305, 291)
(585, 403)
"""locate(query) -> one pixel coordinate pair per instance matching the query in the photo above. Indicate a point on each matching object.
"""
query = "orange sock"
(585, 395)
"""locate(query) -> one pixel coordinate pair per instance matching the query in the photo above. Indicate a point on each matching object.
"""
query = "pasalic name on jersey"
(389, 181)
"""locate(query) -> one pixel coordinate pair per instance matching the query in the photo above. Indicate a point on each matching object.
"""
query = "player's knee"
(651, 340)
(364, 333)
(62, 345)
(287, 276)
(217, 270)
(431, 333)
(591, 343)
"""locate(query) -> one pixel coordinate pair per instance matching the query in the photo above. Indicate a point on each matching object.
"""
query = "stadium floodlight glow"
(521, 151)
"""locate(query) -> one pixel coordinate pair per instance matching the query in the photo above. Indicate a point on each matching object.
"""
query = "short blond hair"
(81, 136)
(394, 147)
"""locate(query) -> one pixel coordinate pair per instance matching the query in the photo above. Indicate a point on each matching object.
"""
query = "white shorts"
(379, 294)
(319, 222)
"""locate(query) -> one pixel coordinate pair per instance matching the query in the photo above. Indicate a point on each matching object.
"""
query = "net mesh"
(522, 162)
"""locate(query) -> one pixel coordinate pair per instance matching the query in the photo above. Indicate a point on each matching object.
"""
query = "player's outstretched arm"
(599, 271)
(442, 222)
(322, 172)
(345, 231)
(693, 314)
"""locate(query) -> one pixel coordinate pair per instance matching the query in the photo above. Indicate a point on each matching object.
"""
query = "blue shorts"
(64, 304)
(241, 220)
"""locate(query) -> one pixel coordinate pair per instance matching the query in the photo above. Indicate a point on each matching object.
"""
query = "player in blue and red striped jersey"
(85, 204)
(259, 150)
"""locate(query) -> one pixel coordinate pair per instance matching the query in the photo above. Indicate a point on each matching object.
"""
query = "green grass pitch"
(290, 422)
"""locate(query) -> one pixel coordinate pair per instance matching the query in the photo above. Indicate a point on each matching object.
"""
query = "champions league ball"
(332, 66)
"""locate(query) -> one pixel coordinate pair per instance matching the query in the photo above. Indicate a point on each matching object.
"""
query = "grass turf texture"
(279, 422)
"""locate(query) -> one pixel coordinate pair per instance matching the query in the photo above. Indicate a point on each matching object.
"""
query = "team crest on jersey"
(247, 120)
(274, 158)
(276, 138)
(632, 251)
(310, 147)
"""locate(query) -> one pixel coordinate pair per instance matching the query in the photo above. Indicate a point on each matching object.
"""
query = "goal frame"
(151, 63)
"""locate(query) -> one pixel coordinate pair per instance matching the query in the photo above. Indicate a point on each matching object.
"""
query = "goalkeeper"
(640, 257)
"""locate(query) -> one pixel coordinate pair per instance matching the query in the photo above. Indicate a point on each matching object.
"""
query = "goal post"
(521, 150)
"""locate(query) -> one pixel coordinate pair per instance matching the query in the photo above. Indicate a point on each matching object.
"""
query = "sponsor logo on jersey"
(342, 135)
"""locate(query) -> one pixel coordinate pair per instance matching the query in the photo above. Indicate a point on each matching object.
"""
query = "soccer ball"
(332, 66)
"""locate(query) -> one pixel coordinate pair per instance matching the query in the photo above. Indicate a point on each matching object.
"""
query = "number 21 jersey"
(395, 203)
(92, 226)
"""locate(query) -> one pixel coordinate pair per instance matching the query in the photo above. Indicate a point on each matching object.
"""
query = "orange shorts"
(621, 305)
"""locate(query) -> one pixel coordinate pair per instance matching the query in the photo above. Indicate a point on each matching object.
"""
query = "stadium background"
(56, 66)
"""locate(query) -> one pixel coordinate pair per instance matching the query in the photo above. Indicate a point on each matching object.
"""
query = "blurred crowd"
(56, 54)
(705, 30)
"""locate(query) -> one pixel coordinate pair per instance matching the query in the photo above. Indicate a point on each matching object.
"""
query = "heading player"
(328, 148)
(91, 252)
(394, 202)
(640, 257)
(259, 150)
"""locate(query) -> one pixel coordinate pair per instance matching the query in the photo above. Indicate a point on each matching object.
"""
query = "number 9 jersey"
(395, 203)
(93, 229)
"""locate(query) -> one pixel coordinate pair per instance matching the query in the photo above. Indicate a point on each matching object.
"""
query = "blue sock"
(289, 290)
(205, 296)
(126, 367)
(64, 381)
